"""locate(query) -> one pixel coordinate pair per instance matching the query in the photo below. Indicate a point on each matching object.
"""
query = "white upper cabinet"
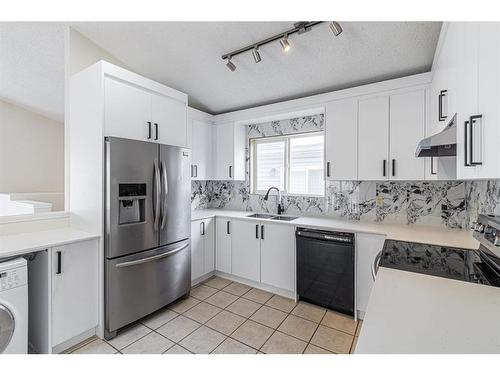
(229, 151)
(486, 132)
(407, 125)
(169, 118)
(373, 142)
(135, 107)
(127, 111)
(341, 139)
(201, 143)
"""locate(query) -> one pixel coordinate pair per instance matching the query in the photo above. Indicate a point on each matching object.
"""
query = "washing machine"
(14, 307)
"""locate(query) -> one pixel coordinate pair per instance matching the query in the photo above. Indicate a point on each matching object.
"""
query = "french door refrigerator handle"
(165, 194)
(156, 203)
(149, 259)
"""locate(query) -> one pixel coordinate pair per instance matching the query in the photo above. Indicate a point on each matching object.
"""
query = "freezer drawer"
(140, 284)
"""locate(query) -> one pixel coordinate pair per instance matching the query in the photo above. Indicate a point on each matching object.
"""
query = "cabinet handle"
(432, 166)
(261, 232)
(195, 170)
(202, 228)
(473, 121)
(149, 129)
(230, 171)
(59, 263)
(327, 169)
(192, 169)
(257, 231)
(466, 146)
(393, 167)
(227, 227)
(384, 167)
(441, 116)
(156, 131)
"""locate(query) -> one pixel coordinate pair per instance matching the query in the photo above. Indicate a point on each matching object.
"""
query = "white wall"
(31, 152)
(80, 53)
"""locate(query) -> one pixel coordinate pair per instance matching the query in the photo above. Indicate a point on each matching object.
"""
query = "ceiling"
(187, 57)
(32, 66)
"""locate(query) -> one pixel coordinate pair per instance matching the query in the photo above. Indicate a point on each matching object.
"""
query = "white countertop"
(19, 244)
(420, 314)
(433, 235)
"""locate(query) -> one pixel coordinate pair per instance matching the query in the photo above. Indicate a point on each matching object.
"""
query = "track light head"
(230, 64)
(285, 44)
(256, 54)
(335, 28)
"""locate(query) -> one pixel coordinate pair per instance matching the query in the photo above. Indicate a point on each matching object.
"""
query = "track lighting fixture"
(335, 28)
(230, 64)
(285, 44)
(256, 54)
(298, 28)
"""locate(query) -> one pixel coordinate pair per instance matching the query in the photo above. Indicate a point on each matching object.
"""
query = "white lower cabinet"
(202, 247)
(263, 252)
(223, 228)
(64, 296)
(245, 259)
(367, 248)
(277, 256)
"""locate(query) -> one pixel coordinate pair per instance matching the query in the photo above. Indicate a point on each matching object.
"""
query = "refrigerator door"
(175, 218)
(140, 284)
(132, 197)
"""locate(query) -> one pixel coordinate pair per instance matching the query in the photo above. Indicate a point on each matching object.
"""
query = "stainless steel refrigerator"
(147, 229)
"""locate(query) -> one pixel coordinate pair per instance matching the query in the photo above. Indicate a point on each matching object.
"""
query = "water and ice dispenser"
(132, 203)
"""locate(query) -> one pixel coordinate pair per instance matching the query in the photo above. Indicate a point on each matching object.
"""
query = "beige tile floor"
(224, 317)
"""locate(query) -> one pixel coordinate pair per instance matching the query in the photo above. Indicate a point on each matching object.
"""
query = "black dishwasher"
(325, 269)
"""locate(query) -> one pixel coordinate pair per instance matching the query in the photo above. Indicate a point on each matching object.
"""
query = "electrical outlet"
(379, 201)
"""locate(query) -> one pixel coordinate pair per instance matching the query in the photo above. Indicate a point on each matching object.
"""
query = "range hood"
(443, 143)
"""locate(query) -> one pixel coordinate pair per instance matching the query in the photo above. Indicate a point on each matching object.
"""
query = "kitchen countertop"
(433, 235)
(19, 244)
(417, 314)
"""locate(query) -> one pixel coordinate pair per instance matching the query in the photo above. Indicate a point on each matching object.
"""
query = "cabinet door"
(209, 245)
(488, 100)
(127, 111)
(278, 256)
(74, 290)
(224, 151)
(464, 36)
(201, 150)
(169, 116)
(197, 256)
(245, 260)
(407, 128)
(367, 248)
(223, 228)
(341, 139)
(373, 142)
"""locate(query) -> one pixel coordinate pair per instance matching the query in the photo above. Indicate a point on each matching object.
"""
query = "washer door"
(7, 325)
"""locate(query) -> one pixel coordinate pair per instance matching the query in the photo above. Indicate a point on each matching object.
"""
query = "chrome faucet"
(266, 197)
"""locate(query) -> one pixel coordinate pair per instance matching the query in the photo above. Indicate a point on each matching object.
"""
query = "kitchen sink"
(273, 217)
(284, 218)
(262, 216)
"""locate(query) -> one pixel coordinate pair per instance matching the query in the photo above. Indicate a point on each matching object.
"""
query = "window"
(293, 163)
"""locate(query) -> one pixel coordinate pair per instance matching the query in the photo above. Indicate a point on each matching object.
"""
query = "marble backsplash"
(452, 204)
(449, 203)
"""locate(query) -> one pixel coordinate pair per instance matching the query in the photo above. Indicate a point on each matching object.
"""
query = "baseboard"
(74, 341)
(202, 278)
(254, 284)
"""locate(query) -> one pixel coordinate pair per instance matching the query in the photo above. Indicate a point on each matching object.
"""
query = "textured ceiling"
(186, 56)
(32, 66)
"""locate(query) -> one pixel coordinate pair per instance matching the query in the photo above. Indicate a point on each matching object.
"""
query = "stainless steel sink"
(262, 216)
(284, 218)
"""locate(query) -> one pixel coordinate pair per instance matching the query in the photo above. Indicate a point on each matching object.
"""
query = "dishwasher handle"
(336, 237)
